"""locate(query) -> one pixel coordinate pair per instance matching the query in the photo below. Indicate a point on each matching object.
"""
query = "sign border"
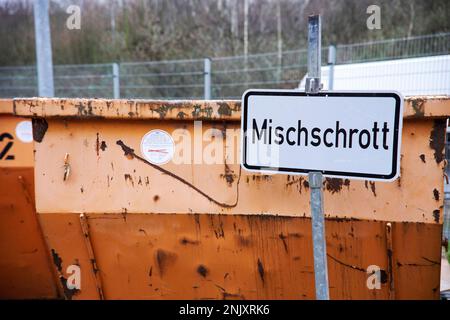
(395, 172)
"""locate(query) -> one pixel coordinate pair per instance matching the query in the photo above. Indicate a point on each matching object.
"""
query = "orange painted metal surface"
(25, 268)
(126, 183)
(208, 256)
(201, 230)
(229, 110)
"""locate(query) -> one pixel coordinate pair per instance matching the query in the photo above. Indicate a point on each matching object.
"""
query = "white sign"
(341, 134)
(24, 131)
(157, 147)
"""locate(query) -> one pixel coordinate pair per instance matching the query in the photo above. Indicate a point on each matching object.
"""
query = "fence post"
(43, 49)
(207, 78)
(116, 80)
(331, 63)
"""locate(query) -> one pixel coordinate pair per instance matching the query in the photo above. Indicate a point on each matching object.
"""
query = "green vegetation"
(136, 30)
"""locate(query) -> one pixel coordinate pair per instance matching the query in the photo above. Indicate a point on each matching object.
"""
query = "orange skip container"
(201, 230)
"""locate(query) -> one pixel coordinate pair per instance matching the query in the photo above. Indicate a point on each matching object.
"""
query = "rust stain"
(218, 231)
(224, 109)
(185, 241)
(162, 110)
(299, 182)
(82, 111)
(164, 259)
(155, 198)
(342, 219)
(372, 188)
(305, 184)
(202, 270)
(334, 185)
(181, 115)
(129, 178)
(347, 183)
(437, 139)
(243, 240)
(57, 261)
(261, 270)
(198, 111)
(229, 175)
(436, 194)
(283, 239)
(40, 127)
(261, 177)
(383, 276)
(418, 107)
(97, 145)
(436, 215)
(68, 293)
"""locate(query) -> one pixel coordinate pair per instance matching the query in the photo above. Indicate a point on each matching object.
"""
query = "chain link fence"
(227, 78)
(179, 79)
(420, 46)
(89, 80)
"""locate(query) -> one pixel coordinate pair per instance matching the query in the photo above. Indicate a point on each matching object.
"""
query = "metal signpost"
(315, 179)
(353, 135)
(43, 49)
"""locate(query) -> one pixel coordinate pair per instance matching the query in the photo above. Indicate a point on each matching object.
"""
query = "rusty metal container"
(25, 268)
(200, 230)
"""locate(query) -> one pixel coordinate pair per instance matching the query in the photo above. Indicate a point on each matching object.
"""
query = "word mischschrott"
(338, 136)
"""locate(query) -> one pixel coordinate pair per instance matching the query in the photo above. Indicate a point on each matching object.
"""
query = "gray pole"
(331, 63)
(318, 235)
(207, 79)
(43, 49)
(116, 80)
(313, 86)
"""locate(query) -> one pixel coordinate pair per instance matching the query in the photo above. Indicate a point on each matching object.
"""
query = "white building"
(414, 76)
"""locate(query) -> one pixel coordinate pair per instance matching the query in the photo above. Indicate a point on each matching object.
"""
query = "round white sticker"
(157, 146)
(24, 131)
